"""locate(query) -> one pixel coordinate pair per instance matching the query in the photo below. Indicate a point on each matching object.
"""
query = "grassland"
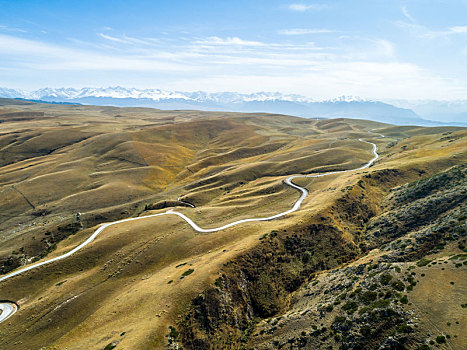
(138, 279)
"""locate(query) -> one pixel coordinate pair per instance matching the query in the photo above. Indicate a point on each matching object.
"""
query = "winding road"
(8, 309)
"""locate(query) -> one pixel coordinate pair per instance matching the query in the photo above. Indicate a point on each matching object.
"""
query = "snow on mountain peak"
(119, 92)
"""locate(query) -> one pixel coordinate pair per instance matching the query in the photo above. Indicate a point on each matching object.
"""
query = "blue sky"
(412, 49)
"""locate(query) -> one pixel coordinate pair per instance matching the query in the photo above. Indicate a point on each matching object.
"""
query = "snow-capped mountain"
(270, 102)
(159, 95)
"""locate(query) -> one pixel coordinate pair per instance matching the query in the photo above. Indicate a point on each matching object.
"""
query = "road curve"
(287, 181)
(7, 309)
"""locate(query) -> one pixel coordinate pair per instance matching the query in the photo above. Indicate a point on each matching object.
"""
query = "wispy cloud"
(303, 31)
(40, 55)
(111, 38)
(407, 14)
(124, 39)
(12, 29)
(301, 7)
(423, 32)
(361, 66)
(457, 30)
(386, 47)
(229, 41)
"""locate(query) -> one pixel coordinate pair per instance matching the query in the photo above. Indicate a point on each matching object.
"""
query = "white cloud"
(423, 32)
(366, 67)
(124, 39)
(229, 41)
(458, 30)
(306, 7)
(111, 38)
(45, 56)
(12, 29)
(302, 31)
(386, 47)
(329, 79)
(407, 14)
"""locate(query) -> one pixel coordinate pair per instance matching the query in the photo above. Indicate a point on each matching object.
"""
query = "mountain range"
(399, 112)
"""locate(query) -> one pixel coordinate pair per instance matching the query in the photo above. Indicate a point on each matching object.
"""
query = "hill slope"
(155, 282)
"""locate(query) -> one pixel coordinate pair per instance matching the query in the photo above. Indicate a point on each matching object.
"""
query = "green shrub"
(441, 339)
(218, 282)
(340, 319)
(398, 285)
(404, 328)
(188, 272)
(423, 262)
(368, 296)
(382, 303)
(350, 307)
(173, 333)
(385, 278)
(364, 310)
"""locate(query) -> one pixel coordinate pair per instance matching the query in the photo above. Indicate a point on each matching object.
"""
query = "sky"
(380, 49)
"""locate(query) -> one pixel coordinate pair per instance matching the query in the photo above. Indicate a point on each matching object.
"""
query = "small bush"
(188, 272)
(340, 319)
(423, 262)
(173, 333)
(364, 310)
(404, 328)
(350, 307)
(441, 339)
(368, 296)
(385, 279)
(398, 285)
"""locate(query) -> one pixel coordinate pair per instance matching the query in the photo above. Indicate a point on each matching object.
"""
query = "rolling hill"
(301, 281)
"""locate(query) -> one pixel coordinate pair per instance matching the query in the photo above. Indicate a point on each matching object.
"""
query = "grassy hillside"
(155, 283)
(406, 292)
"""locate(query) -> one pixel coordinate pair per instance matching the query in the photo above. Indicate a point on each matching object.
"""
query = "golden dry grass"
(107, 163)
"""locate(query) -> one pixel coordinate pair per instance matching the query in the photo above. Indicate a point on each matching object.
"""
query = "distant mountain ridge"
(160, 95)
(269, 102)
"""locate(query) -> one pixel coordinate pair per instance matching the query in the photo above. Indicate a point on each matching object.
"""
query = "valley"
(232, 277)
